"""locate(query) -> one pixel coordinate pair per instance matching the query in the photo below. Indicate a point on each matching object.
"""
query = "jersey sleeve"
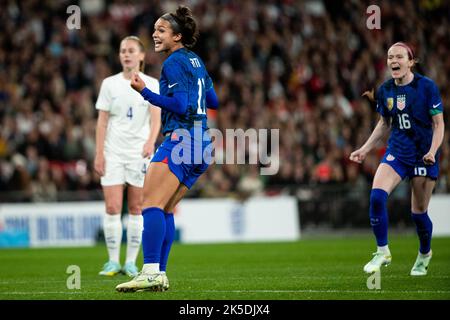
(104, 98)
(434, 100)
(381, 103)
(208, 82)
(175, 73)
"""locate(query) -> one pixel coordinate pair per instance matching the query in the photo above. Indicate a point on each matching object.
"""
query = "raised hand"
(137, 83)
(358, 156)
(369, 94)
(429, 159)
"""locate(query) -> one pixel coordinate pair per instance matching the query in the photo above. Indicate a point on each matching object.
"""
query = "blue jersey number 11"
(201, 101)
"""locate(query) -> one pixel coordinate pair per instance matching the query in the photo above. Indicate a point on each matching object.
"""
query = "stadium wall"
(439, 212)
(197, 221)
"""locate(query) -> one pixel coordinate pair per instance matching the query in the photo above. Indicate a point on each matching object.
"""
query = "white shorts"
(119, 172)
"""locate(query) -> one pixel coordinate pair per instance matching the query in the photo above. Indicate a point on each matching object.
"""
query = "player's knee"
(419, 207)
(113, 208)
(147, 194)
(153, 203)
(378, 199)
(153, 199)
(134, 208)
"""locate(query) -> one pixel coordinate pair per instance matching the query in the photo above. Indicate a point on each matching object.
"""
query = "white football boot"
(143, 282)
(420, 267)
(379, 259)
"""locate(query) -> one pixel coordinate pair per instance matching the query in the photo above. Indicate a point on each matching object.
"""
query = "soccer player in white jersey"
(127, 129)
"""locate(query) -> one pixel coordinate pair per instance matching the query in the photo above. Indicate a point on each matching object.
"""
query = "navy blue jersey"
(184, 71)
(411, 108)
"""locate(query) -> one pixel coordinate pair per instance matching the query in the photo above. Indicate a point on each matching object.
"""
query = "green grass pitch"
(325, 268)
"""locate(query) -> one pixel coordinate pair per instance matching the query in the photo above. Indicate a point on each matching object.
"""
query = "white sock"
(134, 236)
(150, 268)
(385, 250)
(112, 227)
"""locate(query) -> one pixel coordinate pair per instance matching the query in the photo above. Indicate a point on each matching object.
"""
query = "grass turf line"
(308, 269)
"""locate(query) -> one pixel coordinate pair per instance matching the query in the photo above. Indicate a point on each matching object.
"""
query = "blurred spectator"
(43, 189)
(20, 179)
(251, 184)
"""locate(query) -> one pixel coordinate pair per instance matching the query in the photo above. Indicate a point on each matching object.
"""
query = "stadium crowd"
(300, 66)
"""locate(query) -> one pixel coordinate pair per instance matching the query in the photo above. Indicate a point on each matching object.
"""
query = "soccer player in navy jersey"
(186, 90)
(411, 109)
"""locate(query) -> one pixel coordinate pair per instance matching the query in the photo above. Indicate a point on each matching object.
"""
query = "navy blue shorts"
(187, 160)
(405, 170)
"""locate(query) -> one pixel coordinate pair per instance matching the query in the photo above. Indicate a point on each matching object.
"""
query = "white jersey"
(129, 116)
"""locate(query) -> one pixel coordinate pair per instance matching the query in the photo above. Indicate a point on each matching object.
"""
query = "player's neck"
(175, 48)
(406, 79)
(127, 73)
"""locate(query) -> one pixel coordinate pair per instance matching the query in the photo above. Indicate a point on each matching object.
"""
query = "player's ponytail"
(141, 48)
(182, 21)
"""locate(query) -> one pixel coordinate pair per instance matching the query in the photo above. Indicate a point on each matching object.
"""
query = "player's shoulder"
(424, 81)
(387, 85)
(112, 79)
(192, 54)
(182, 56)
(176, 57)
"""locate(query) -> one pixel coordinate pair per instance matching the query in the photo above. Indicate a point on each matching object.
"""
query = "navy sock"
(378, 216)
(168, 240)
(424, 228)
(153, 234)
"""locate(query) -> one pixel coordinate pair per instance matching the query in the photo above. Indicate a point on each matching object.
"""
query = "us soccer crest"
(401, 102)
(390, 103)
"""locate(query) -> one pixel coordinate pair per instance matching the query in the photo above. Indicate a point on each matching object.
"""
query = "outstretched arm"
(177, 104)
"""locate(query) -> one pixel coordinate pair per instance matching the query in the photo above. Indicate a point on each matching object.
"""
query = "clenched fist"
(137, 83)
(358, 155)
(429, 159)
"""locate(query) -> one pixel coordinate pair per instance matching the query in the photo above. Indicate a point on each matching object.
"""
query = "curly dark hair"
(182, 21)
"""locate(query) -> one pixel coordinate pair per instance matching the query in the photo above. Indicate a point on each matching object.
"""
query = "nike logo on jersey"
(172, 85)
(436, 105)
